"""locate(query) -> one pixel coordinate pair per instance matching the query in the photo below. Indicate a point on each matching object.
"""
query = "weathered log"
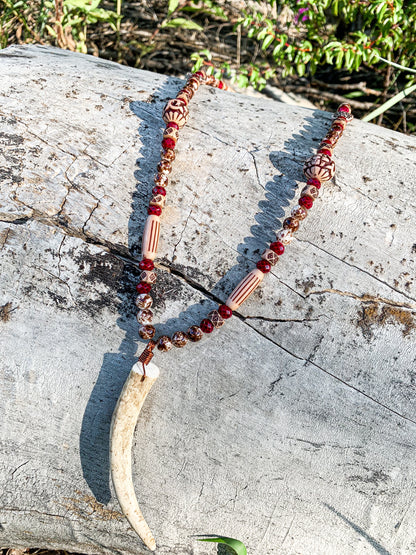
(293, 427)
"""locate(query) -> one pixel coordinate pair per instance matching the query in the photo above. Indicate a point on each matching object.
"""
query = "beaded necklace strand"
(317, 169)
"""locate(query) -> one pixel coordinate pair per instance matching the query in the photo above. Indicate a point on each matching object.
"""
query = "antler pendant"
(124, 420)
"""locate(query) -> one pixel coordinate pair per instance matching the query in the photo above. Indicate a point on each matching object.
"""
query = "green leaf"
(173, 4)
(238, 546)
(267, 42)
(183, 24)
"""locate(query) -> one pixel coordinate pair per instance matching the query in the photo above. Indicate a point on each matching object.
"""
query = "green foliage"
(238, 547)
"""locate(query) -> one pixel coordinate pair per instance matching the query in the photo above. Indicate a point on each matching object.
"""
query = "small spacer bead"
(291, 223)
(315, 182)
(159, 191)
(194, 333)
(147, 332)
(143, 287)
(206, 326)
(277, 247)
(306, 202)
(146, 264)
(264, 266)
(164, 343)
(168, 143)
(154, 211)
(225, 311)
(179, 339)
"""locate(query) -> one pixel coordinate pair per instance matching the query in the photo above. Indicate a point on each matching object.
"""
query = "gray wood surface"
(293, 427)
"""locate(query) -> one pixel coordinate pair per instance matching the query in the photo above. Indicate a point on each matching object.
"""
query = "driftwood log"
(292, 427)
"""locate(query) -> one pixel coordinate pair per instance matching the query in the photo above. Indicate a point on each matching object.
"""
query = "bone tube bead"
(151, 237)
(244, 289)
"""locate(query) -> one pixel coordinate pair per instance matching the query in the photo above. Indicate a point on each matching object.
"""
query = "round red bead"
(143, 287)
(315, 182)
(264, 266)
(220, 85)
(325, 151)
(146, 264)
(172, 124)
(306, 202)
(159, 191)
(154, 211)
(168, 143)
(344, 108)
(277, 247)
(206, 326)
(225, 311)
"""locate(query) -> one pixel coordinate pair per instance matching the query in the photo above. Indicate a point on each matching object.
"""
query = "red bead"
(168, 143)
(277, 247)
(206, 326)
(146, 264)
(172, 124)
(225, 311)
(315, 182)
(264, 266)
(154, 211)
(344, 108)
(220, 85)
(328, 142)
(143, 287)
(325, 151)
(159, 191)
(307, 202)
(200, 74)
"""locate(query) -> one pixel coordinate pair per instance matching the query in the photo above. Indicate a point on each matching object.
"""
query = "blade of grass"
(391, 102)
(238, 546)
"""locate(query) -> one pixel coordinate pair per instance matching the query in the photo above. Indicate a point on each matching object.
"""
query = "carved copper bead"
(171, 133)
(168, 155)
(215, 317)
(320, 167)
(158, 200)
(195, 333)
(144, 301)
(147, 332)
(164, 343)
(284, 236)
(299, 212)
(179, 339)
(310, 191)
(145, 317)
(291, 223)
(270, 256)
(176, 111)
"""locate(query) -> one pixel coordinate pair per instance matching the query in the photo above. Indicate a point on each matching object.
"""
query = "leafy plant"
(238, 547)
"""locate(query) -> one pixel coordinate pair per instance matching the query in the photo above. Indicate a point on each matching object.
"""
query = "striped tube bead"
(244, 289)
(151, 235)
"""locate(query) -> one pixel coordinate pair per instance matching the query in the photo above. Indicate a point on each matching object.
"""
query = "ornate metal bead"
(147, 332)
(299, 212)
(215, 317)
(164, 343)
(319, 166)
(284, 236)
(195, 333)
(179, 339)
(310, 191)
(270, 256)
(158, 200)
(176, 111)
(144, 301)
(148, 276)
(145, 317)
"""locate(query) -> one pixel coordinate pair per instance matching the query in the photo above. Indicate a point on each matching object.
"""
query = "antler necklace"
(317, 169)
